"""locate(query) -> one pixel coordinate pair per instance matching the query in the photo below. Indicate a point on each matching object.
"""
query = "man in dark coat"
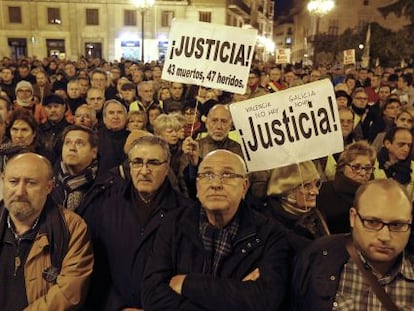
(124, 226)
(219, 256)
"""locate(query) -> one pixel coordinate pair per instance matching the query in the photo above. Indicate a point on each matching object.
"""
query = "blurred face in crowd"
(392, 110)
(99, 80)
(359, 169)
(115, 117)
(21, 133)
(360, 100)
(342, 101)
(4, 113)
(218, 122)
(152, 115)
(146, 92)
(170, 135)
(73, 89)
(41, 79)
(70, 70)
(77, 152)
(347, 122)
(84, 116)
(83, 86)
(55, 112)
(95, 99)
(404, 120)
(176, 90)
(136, 122)
(7, 75)
(399, 148)
(275, 74)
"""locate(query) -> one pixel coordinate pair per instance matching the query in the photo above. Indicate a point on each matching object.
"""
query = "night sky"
(282, 6)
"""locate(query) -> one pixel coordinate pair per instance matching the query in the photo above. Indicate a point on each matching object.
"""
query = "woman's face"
(165, 94)
(307, 193)
(392, 110)
(135, 123)
(360, 169)
(404, 120)
(152, 115)
(21, 133)
(170, 135)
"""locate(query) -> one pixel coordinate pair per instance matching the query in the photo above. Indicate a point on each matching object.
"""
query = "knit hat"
(24, 84)
(284, 179)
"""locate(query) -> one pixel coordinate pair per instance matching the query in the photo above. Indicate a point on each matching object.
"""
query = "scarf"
(400, 170)
(75, 186)
(217, 241)
(358, 111)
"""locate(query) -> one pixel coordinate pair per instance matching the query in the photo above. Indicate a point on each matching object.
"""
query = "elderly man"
(46, 256)
(76, 173)
(326, 278)
(95, 98)
(125, 224)
(219, 256)
(112, 135)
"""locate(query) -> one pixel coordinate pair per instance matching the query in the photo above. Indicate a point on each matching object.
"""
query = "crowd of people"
(122, 191)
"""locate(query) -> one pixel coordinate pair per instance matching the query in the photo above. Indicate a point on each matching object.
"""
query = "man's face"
(375, 81)
(390, 205)
(115, 73)
(146, 93)
(275, 74)
(342, 101)
(83, 86)
(401, 83)
(218, 195)
(24, 94)
(26, 185)
(290, 77)
(384, 92)
(392, 110)
(253, 80)
(399, 149)
(360, 100)
(98, 80)
(115, 117)
(137, 76)
(41, 79)
(128, 95)
(315, 75)
(95, 99)
(347, 122)
(84, 117)
(148, 180)
(7, 75)
(176, 90)
(363, 75)
(55, 112)
(77, 152)
(24, 72)
(152, 115)
(73, 90)
(70, 70)
(218, 123)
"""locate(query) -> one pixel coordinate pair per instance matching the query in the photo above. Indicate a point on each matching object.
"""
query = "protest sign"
(290, 126)
(282, 56)
(349, 57)
(210, 55)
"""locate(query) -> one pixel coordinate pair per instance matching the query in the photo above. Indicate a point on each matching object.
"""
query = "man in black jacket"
(219, 256)
(124, 225)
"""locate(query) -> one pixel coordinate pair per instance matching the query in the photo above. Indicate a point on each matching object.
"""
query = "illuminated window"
(166, 18)
(53, 16)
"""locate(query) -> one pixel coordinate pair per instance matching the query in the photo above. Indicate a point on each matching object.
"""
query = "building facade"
(113, 29)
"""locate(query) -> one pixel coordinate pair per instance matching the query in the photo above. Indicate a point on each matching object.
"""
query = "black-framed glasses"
(357, 168)
(377, 225)
(225, 178)
(151, 164)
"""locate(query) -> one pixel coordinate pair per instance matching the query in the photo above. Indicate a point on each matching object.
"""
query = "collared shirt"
(354, 292)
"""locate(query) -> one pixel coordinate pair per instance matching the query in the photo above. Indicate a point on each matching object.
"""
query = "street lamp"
(319, 8)
(143, 6)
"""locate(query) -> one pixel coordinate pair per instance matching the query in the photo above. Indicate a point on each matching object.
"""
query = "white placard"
(210, 55)
(349, 57)
(289, 126)
(282, 56)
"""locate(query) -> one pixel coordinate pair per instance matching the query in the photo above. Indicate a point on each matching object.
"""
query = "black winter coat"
(178, 249)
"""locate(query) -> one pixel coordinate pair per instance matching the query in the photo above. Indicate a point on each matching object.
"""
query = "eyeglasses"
(357, 168)
(151, 164)
(377, 225)
(361, 98)
(309, 186)
(225, 178)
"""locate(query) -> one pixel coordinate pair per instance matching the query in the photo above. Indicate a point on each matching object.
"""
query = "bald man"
(45, 252)
(219, 256)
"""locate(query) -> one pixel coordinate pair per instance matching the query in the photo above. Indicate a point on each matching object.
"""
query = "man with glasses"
(325, 276)
(221, 255)
(124, 226)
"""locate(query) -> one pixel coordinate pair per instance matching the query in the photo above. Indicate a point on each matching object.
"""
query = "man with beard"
(45, 251)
